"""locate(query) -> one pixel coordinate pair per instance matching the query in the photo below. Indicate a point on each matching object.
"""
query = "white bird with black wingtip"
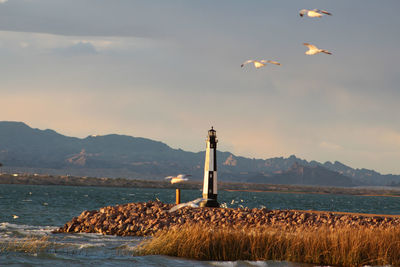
(259, 63)
(314, 13)
(179, 178)
(191, 204)
(312, 50)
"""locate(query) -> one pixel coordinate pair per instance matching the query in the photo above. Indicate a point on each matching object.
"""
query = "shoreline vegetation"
(35, 179)
(341, 246)
(227, 234)
(31, 244)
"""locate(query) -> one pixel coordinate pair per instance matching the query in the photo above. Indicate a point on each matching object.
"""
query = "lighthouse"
(210, 171)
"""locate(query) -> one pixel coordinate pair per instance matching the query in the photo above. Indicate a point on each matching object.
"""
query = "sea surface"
(34, 211)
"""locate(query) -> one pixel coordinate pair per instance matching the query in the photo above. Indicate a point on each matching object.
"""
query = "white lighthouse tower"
(210, 171)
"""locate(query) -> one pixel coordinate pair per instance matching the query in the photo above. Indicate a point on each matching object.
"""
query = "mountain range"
(24, 149)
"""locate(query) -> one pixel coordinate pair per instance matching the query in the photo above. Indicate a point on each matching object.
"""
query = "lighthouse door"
(211, 184)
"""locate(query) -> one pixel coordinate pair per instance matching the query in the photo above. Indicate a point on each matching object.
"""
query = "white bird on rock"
(312, 50)
(192, 204)
(179, 178)
(315, 13)
(259, 63)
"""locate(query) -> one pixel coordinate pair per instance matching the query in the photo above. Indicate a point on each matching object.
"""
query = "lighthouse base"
(209, 203)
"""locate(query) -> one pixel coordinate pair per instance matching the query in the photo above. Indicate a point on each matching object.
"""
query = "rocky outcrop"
(79, 159)
(142, 219)
(230, 161)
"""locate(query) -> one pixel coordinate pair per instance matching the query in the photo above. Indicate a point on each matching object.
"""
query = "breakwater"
(144, 219)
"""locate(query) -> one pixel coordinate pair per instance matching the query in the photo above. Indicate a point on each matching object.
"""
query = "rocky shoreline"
(144, 219)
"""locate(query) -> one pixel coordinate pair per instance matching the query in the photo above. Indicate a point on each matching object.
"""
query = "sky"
(169, 70)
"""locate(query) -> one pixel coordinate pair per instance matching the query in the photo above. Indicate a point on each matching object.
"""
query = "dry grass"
(340, 246)
(28, 245)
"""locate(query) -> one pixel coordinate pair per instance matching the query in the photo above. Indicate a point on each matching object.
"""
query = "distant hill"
(24, 149)
(303, 175)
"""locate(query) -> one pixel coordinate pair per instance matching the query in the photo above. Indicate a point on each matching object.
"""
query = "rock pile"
(142, 219)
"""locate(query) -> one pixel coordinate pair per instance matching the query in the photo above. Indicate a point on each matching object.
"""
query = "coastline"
(318, 193)
(34, 179)
(316, 237)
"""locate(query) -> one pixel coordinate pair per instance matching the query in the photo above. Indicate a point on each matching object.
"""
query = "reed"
(344, 246)
(28, 245)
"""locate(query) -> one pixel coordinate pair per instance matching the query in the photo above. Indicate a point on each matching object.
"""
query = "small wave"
(25, 230)
(224, 263)
(90, 245)
(128, 248)
(257, 263)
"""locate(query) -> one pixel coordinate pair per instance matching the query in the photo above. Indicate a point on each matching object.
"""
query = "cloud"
(75, 45)
(24, 44)
(330, 146)
(79, 48)
(169, 70)
(79, 18)
(3, 1)
(390, 138)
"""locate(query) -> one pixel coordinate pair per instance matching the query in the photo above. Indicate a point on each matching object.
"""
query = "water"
(34, 211)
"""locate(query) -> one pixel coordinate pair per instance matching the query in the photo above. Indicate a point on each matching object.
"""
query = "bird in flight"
(192, 204)
(259, 63)
(315, 13)
(179, 178)
(312, 50)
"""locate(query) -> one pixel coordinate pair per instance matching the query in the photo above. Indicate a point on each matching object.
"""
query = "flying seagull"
(312, 50)
(179, 178)
(259, 63)
(192, 204)
(315, 13)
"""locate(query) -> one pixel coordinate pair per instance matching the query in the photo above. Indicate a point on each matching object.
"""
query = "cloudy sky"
(168, 70)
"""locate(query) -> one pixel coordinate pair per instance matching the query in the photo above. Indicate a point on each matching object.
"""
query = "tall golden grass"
(28, 245)
(344, 246)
